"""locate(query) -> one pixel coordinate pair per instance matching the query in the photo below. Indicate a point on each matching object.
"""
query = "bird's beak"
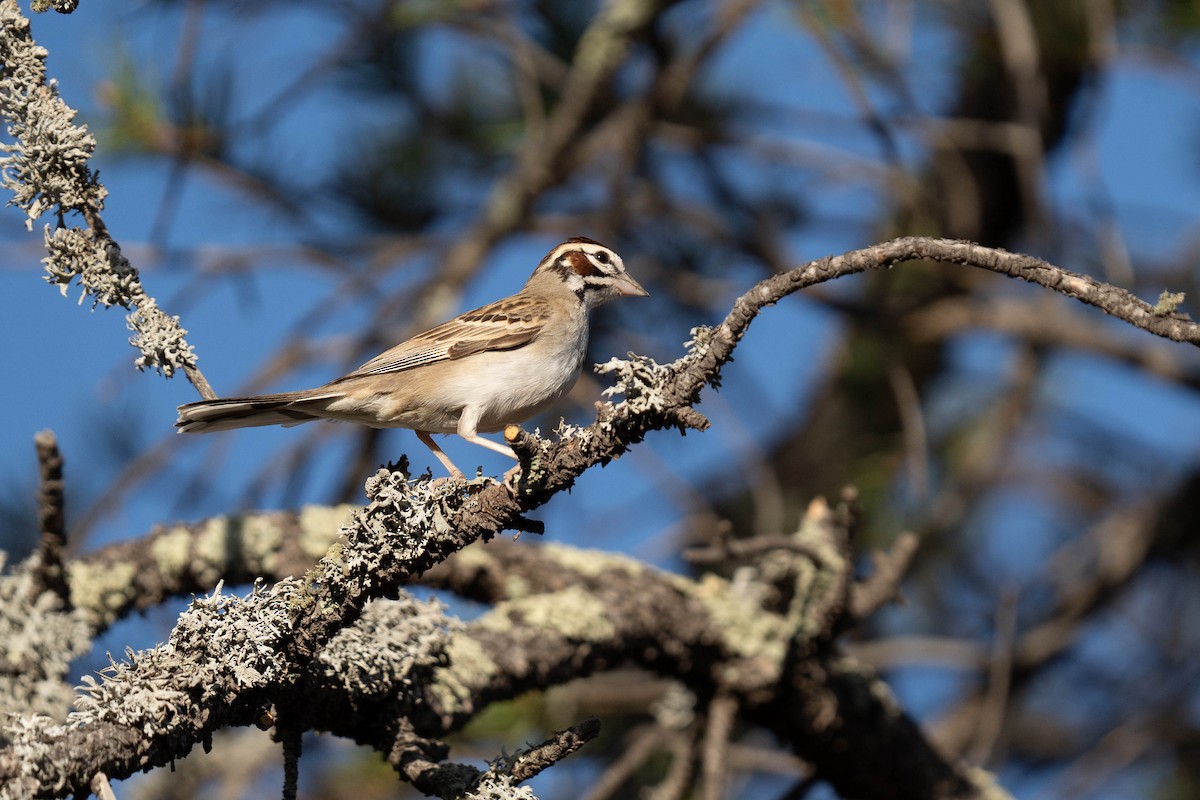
(628, 287)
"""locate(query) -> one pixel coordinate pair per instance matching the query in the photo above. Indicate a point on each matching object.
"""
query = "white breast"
(510, 386)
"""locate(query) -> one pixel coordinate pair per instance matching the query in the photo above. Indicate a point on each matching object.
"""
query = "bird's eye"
(601, 256)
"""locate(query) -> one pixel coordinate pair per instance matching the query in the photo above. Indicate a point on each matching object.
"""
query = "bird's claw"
(512, 479)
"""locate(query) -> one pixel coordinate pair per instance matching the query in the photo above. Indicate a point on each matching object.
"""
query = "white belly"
(505, 389)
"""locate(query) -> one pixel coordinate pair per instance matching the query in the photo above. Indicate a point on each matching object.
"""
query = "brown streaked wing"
(509, 341)
(503, 325)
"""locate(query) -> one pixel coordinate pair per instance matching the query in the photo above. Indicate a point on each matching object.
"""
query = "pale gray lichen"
(160, 338)
(215, 545)
(499, 787)
(391, 650)
(25, 741)
(745, 628)
(38, 640)
(404, 512)
(45, 166)
(103, 272)
(698, 346)
(566, 430)
(467, 666)
(572, 613)
(641, 380)
(594, 563)
(320, 526)
(101, 591)
(110, 280)
(675, 709)
(172, 550)
(222, 644)
(819, 581)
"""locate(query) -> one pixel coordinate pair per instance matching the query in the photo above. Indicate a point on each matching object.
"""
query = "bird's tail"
(225, 414)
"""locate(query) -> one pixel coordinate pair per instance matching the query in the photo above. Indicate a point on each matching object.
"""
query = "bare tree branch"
(883, 584)
(52, 538)
(722, 712)
(562, 744)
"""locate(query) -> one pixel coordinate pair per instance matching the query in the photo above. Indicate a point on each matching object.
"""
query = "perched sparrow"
(494, 366)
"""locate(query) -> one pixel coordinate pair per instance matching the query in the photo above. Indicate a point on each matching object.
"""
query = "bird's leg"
(428, 441)
(466, 429)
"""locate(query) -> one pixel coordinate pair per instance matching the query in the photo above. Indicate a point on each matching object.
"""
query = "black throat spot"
(594, 286)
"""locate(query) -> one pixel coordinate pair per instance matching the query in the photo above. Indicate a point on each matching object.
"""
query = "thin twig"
(912, 424)
(642, 744)
(679, 777)
(727, 548)
(291, 736)
(554, 749)
(102, 788)
(992, 711)
(722, 712)
(883, 584)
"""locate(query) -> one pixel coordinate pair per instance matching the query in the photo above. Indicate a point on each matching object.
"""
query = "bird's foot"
(512, 480)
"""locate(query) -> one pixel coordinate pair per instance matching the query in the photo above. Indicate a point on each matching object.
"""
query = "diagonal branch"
(46, 168)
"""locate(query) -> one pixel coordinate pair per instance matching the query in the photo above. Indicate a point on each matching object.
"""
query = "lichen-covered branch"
(181, 559)
(39, 637)
(184, 690)
(46, 168)
(412, 675)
